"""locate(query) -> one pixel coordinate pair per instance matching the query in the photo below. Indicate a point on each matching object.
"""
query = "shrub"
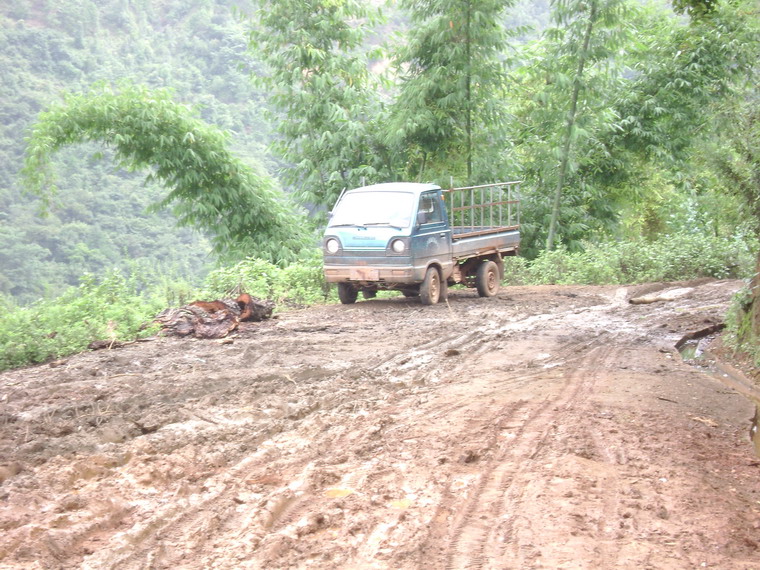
(740, 335)
(670, 258)
(301, 283)
(109, 309)
(515, 270)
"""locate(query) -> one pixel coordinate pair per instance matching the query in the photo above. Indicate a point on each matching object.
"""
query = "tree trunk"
(469, 97)
(570, 124)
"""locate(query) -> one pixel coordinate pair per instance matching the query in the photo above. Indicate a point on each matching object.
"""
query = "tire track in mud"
(508, 545)
(283, 507)
(466, 524)
(420, 358)
(226, 511)
(219, 512)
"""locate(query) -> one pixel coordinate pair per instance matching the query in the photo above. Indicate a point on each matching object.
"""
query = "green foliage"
(451, 74)
(99, 218)
(695, 8)
(638, 124)
(735, 152)
(669, 258)
(319, 81)
(740, 334)
(209, 188)
(578, 58)
(300, 283)
(679, 72)
(109, 309)
(96, 222)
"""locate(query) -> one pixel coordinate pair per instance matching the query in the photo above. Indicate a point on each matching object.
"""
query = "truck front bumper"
(375, 274)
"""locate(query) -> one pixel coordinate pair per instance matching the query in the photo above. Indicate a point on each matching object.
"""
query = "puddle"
(689, 345)
(693, 350)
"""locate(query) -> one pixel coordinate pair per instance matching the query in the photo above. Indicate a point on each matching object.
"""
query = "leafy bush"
(671, 258)
(301, 283)
(109, 309)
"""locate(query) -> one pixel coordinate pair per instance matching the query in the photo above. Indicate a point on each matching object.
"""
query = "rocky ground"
(547, 427)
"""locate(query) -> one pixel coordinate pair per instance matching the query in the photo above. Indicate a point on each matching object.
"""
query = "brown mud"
(546, 427)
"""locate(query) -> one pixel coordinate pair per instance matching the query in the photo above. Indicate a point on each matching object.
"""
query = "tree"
(582, 21)
(319, 81)
(452, 73)
(565, 113)
(678, 72)
(209, 188)
(693, 103)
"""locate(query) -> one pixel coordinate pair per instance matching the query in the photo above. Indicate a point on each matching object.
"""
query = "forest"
(157, 150)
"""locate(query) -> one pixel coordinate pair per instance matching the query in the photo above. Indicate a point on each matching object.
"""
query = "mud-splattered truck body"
(420, 238)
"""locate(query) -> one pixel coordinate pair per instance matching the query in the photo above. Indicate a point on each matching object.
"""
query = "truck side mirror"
(421, 218)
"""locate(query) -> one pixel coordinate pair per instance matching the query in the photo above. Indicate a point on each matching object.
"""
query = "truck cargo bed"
(501, 240)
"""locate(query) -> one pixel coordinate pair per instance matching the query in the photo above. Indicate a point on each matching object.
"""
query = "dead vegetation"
(214, 319)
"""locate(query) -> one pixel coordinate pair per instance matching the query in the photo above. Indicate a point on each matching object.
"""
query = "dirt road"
(547, 427)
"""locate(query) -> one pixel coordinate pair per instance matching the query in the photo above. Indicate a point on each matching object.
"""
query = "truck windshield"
(374, 209)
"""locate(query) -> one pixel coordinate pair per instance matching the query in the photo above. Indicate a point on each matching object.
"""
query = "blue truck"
(420, 238)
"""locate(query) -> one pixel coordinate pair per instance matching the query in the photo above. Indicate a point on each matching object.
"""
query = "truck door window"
(429, 211)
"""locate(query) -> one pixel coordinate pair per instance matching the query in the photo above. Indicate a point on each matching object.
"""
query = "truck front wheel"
(487, 279)
(347, 294)
(430, 289)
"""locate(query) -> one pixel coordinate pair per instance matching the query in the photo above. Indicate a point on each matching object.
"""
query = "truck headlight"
(332, 245)
(398, 246)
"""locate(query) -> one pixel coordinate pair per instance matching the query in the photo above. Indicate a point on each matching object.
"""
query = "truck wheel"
(487, 280)
(410, 292)
(430, 289)
(347, 294)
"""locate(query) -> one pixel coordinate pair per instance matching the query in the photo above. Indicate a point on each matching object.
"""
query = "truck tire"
(347, 294)
(487, 280)
(430, 288)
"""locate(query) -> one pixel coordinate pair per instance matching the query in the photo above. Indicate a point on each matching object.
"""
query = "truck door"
(431, 240)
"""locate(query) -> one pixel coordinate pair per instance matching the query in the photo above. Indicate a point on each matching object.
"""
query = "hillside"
(195, 48)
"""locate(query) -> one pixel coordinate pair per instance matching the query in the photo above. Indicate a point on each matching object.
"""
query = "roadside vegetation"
(194, 150)
(121, 307)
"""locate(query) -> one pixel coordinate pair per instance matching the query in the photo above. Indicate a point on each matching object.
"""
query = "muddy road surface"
(546, 427)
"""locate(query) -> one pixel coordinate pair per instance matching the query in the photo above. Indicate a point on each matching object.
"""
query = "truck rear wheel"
(488, 279)
(347, 294)
(430, 289)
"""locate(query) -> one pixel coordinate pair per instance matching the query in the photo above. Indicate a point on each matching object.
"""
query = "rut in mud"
(547, 427)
